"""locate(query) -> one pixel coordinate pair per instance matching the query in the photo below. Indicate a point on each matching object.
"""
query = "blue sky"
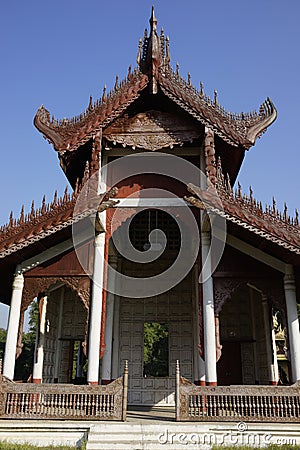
(59, 53)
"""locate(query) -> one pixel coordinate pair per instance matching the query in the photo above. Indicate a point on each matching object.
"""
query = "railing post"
(177, 392)
(2, 391)
(125, 391)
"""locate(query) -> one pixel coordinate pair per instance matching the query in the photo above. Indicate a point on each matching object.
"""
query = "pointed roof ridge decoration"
(154, 53)
(155, 73)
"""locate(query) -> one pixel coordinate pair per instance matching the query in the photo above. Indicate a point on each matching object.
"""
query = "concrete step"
(135, 436)
(183, 435)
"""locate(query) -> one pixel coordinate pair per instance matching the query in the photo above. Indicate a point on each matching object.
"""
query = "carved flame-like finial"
(116, 87)
(168, 55)
(22, 215)
(90, 107)
(251, 194)
(140, 52)
(129, 74)
(11, 219)
(43, 208)
(239, 191)
(215, 97)
(274, 206)
(55, 198)
(285, 211)
(32, 211)
(153, 20)
(104, 95)
(66, 194)
(201, 90)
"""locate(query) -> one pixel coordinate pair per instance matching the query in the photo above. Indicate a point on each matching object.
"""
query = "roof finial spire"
(153, 20)
(154, 54)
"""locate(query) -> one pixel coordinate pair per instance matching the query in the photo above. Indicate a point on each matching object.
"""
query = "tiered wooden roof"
(155, 74)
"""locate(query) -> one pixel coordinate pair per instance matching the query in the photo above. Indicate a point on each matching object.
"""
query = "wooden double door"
(173, 310)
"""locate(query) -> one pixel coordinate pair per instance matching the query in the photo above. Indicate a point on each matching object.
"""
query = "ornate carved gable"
(152, 130)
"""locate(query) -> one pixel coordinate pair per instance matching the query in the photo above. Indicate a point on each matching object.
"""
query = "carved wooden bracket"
(33, 286)
(225, 287)
(223, 290)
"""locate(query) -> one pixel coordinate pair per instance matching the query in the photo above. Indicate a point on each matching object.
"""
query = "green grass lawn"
(10, 446)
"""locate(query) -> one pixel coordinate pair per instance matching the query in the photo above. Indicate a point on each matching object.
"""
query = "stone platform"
(148, 429)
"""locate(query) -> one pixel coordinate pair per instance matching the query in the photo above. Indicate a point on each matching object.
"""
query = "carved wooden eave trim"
(69, 134)
(200, 118)
(48, 221)
(238, 130)
(248, 214)
(152, 130)
(260, 232)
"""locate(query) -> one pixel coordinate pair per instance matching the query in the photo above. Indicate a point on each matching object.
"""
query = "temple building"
(156, 255)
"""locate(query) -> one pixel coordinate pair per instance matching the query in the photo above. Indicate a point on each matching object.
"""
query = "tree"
(156, 352)
(2, 342)
(24, 364)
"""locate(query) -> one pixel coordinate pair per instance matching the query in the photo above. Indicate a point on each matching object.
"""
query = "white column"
(110, 299)
(199, 366)
(13, 326)
(292, 321)
(39, 352)
(96, 311)
(269, 343)
(208, 315)
(58, 342)
(116, 337)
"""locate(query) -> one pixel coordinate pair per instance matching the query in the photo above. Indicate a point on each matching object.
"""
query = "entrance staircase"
(148, 430)
(182, 435)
